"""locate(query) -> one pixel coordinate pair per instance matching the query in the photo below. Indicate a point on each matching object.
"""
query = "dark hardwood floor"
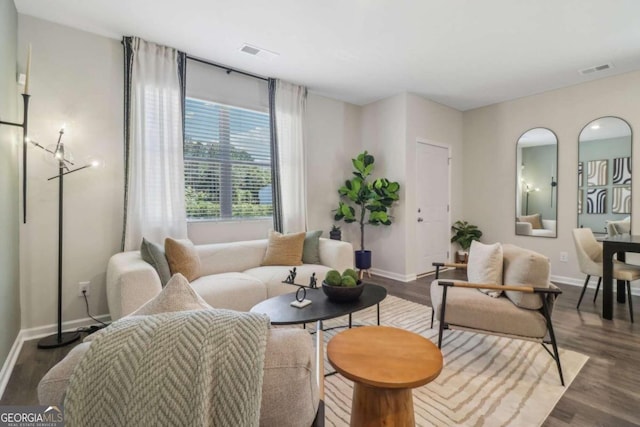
(606, 392)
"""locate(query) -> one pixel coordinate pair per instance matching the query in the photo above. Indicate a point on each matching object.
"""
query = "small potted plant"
(335, 233)
(343, 287)
(463, 234)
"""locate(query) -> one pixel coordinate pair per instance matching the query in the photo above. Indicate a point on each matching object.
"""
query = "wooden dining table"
(610, 246)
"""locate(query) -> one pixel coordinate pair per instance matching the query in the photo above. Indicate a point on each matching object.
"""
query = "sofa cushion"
(183, 258)
(289, 388)
(475, 310)
(533, 219)
(523, 267)
(284, 249)
(233, 291)
(485, 265)
(154, 255)
(178, 295)
(216, 258)
(311, 247)
(273, 276)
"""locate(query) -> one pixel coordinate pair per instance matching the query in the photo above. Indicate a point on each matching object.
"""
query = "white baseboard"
(593, 282)
(10, 362)
(39, 332)
(395, 276)
(71, 325)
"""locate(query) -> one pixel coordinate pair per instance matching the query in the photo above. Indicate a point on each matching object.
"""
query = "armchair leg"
(630, 302)
(597, 289)
(552, 335)
(442, 309)
(584, 288)
(433, 309)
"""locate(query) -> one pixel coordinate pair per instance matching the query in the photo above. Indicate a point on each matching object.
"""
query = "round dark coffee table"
(281, 312)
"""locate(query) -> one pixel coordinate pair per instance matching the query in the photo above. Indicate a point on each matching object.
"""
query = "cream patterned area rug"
(486, 380)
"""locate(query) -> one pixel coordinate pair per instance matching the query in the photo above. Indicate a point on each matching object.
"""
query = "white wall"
(332, 135)
(433, 122)
(10, 138)
(384, 135)
(390, 129)
(77, 79)
(490, 136)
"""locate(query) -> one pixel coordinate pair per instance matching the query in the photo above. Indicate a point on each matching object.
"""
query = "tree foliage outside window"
(227, 159)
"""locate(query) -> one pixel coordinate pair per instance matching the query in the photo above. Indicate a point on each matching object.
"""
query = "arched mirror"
(537, 183)
(604, 176)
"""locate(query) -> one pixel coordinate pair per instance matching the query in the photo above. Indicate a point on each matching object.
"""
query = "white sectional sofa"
(231, 275)
(548, 229)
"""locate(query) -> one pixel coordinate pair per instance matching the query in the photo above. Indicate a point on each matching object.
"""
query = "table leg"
(378, 306)
(607, 282)
(622, 290)
(373, 406)
(320, 359)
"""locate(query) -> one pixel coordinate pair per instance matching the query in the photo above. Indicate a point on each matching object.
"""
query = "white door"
(432, 200)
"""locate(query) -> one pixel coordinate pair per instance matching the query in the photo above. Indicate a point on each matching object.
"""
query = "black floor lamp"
(60, 338)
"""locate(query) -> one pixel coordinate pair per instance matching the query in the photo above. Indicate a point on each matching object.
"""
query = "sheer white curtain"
(290, 103)
(155, 205)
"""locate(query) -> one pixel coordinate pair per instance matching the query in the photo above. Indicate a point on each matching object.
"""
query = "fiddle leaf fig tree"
(362, 194)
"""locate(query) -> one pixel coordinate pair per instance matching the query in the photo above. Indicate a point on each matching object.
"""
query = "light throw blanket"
(192, 368)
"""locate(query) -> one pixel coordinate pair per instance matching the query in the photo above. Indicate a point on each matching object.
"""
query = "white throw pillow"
(485, 266)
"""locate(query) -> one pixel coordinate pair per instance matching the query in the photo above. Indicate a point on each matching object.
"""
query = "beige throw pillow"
(485, 266)
(534, 220)
(178, 295)
(284, 249)
(183, 258)
(523, 267)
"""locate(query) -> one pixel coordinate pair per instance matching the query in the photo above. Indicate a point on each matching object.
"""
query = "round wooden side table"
(385, 364)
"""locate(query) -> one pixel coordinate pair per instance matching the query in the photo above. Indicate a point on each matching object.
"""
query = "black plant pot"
(363, 260)
(335, 235)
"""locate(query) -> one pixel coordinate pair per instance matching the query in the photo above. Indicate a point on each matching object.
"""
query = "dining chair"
(589, 254)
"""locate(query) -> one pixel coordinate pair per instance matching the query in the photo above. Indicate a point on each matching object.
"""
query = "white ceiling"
(461, 53)
(536, 137)
(605, 128)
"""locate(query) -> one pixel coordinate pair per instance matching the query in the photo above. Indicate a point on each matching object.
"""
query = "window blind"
(227, 161)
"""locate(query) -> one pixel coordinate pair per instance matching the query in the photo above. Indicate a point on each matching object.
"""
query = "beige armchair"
(523, 311)
(589, 254)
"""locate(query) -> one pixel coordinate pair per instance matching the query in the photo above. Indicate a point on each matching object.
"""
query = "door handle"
(420, 219)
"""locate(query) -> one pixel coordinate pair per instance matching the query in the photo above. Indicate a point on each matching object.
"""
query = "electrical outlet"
(564, 257)
(83, 286)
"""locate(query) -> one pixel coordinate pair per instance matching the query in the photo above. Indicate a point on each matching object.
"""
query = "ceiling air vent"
(595, 69)
(250, 50)
(258, 51)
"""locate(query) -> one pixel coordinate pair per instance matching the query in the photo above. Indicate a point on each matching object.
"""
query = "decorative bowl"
(343, 293)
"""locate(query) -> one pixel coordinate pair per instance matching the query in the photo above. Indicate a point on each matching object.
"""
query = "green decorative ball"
(333, 278)
(348, 282)
(351, 273)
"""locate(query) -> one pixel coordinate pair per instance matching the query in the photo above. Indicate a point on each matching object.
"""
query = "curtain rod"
(228, 69)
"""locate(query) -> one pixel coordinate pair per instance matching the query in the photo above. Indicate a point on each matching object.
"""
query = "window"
(227, 161)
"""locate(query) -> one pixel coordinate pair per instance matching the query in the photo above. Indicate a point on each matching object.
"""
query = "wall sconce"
(529, 189)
